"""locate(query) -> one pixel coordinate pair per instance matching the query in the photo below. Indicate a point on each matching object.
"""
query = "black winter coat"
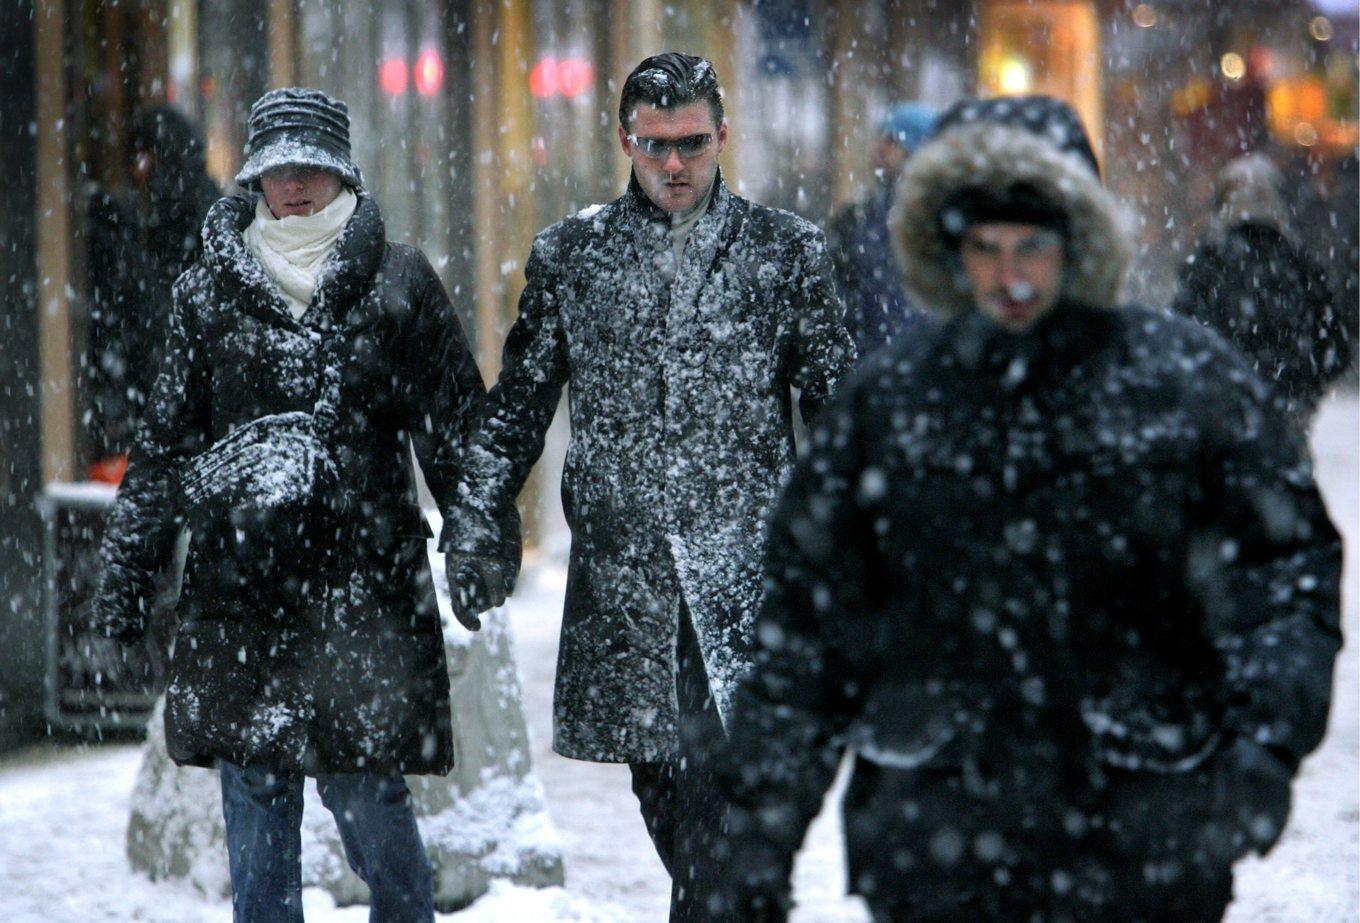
(1081, 574)
(878, 309)
(321, 651)
(135, 255)
(1272, 301)
(681, 436)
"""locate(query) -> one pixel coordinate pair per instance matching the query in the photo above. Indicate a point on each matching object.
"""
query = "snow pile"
(502, 821)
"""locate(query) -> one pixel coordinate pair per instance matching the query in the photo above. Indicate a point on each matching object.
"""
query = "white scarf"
(293, 249)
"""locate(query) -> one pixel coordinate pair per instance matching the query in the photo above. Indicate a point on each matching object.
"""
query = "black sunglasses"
(660, 148)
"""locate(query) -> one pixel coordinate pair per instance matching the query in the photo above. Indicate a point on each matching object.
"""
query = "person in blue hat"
(877, 308)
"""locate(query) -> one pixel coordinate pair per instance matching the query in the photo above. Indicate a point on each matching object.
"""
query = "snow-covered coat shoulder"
(313, 643)
(681, 435)
(994, 156)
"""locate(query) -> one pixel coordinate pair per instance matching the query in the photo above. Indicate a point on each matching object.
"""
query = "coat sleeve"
(509, 435)
(821, 352)
(448, 391)
(1190, 284)
(146, 517)
(1268, 570)
(812, 657)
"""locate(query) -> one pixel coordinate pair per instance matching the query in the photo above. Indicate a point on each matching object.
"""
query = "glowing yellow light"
(1144, 16)
(1305, 134)
(1321, 28)
(1232, 65)
(1014, 76)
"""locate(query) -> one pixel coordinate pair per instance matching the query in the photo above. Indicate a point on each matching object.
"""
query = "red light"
(565, 77)
(543, 78)
(392, 76)
(429, 72)
(574, 76)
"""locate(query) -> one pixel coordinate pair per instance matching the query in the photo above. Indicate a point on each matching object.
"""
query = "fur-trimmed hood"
(992, 155)
(1249, 190)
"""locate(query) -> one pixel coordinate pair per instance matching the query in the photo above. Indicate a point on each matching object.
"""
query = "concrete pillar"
(54, 235)
(282, 36)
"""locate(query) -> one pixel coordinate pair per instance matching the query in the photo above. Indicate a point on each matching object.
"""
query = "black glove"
(476, 583)
(1254, 794)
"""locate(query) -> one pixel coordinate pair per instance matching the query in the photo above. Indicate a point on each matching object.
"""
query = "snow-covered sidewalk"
(64, 809)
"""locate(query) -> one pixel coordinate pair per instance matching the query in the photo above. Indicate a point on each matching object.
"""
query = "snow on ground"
(64, 807)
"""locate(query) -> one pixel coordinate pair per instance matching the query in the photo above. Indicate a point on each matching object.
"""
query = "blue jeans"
(263, 811)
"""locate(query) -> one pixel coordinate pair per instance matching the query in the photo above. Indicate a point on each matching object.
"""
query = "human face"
(887, 156)
(1015, 270)
(297, 190)
(675, 184)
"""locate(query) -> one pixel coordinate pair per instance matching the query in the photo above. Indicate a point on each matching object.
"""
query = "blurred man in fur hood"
(1057, 573)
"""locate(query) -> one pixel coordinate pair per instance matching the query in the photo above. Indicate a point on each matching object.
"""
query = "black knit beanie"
(1044, 116)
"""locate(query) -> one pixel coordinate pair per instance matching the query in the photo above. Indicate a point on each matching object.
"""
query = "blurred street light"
(393, 77)
(1014, 76)
(429, 72)
(1232, 65)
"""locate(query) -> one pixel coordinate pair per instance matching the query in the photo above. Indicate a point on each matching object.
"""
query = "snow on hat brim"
(987, 155)
(298, 126)
(296, 148)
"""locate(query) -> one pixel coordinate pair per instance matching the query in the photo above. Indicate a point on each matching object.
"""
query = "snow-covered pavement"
(64, 809)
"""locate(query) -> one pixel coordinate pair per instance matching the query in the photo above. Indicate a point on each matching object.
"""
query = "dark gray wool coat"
(1071, 595)
(319, 648)
(681, 436)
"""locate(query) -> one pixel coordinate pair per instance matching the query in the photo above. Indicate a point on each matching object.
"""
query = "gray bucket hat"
(297, 126)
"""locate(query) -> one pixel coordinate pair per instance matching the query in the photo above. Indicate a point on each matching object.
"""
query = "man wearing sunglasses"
(682, 317)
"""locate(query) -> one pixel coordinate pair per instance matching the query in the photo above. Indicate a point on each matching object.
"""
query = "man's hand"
(476, 583)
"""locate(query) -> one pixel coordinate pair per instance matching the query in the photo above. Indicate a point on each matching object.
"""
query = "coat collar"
(348, 272)
(1046, 354)
(696, 264)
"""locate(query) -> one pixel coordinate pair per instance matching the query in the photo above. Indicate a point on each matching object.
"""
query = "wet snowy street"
(63, 809)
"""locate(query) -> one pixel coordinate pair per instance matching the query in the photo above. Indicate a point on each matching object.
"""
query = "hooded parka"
(1251, 280)
(681, 436)
(317, 647)
(1070, 595)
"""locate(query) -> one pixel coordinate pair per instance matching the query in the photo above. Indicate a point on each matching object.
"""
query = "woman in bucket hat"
(307, 357)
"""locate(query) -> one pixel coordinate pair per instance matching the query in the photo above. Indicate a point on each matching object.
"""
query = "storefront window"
(1044, 46)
